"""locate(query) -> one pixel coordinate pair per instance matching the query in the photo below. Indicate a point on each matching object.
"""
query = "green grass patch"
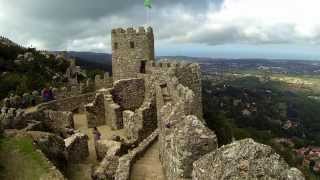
(20, 160)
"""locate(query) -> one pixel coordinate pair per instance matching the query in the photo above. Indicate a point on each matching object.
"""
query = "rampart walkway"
(148, 167)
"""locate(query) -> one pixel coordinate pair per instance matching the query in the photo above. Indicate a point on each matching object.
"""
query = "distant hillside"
(92, 61)
(100, 58)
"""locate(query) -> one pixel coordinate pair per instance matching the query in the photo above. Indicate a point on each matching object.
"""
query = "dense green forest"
(249, 108)
(27, 76)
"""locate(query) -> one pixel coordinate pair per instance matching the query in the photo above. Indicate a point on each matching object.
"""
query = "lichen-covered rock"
(77, 147)
(244, 159)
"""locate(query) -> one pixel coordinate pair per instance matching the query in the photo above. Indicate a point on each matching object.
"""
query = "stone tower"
(130, 51)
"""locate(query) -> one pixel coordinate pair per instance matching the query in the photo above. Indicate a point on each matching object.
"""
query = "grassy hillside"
(20, 160)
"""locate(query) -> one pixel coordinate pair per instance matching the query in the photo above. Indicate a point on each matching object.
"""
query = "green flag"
(147, 3)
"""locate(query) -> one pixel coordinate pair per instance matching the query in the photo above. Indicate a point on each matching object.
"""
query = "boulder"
(244, 159)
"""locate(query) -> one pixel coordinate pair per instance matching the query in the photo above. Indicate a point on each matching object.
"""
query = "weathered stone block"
(77, 147)
(96, 111)
(58, 122)
(115, 116)
(107, 148)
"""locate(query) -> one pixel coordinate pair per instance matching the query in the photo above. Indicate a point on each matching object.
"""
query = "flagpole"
(147, 5)
(148, 12)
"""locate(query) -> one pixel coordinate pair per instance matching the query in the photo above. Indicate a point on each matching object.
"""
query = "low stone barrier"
(125, 162)
(69, 104)
(107, 148)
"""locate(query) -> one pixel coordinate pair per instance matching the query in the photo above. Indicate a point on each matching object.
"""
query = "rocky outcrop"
(244, 159)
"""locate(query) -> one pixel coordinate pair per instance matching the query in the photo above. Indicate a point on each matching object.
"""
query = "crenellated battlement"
(141, 31)
(166, 64)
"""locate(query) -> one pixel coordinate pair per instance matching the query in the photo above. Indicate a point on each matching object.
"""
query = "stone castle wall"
(128, 93)
(69, 104)
(103, 82)
(131, 49)
(183, 136)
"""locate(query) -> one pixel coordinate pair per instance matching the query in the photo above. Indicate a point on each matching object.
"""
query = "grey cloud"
(86, 24)
(56, 23)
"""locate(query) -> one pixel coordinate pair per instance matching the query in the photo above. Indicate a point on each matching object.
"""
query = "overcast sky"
(208, 28)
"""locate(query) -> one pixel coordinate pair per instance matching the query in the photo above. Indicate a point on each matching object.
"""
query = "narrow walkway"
(148, 167)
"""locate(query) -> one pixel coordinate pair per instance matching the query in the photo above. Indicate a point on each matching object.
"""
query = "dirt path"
(148, 167)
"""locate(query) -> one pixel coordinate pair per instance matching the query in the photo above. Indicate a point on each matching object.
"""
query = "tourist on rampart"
(45, 95)
(51, 95)
(96, 135)
(96, 138)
